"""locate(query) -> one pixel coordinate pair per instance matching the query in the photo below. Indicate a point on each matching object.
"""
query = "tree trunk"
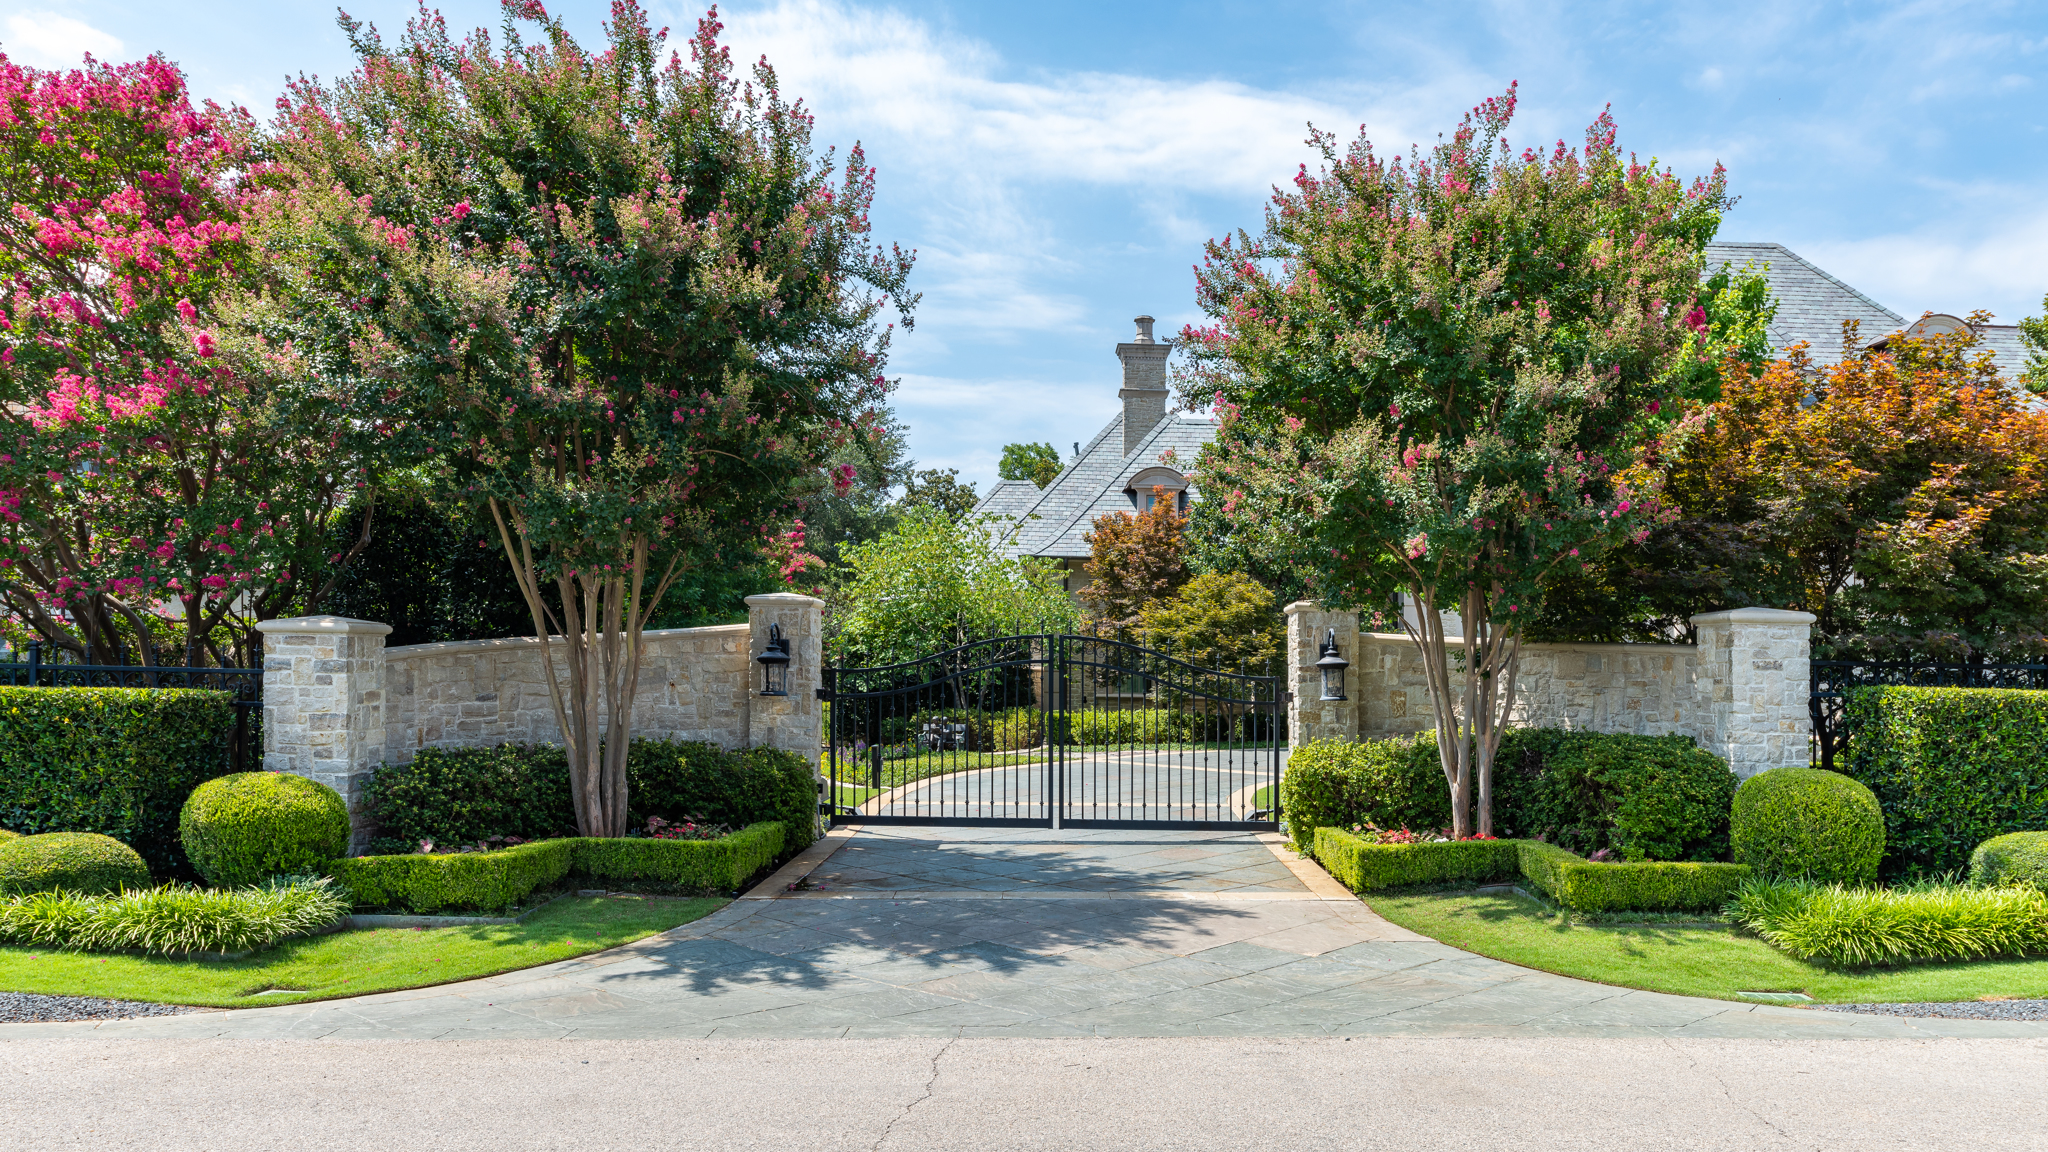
(1469, 721)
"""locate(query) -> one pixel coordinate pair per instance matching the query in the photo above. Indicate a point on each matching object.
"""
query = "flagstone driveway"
(905, 932)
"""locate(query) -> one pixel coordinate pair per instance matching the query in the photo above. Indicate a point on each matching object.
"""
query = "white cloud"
(48, 40)
(1949, 267)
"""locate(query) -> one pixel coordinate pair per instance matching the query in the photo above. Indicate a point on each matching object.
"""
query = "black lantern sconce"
(1332, 667)
(774, 662)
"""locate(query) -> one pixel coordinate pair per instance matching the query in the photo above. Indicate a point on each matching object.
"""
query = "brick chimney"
(1144, 390)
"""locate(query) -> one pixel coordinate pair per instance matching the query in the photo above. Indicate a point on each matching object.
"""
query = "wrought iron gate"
(1054, 731)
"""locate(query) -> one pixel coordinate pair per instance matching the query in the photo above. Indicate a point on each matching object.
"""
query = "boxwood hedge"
(82, 862)
(2014, 858)
(1573, 881)
(1951, 768)
(117, 761)
(487, 881)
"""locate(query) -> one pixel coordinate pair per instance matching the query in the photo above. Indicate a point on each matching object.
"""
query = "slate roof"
(1811, 303)
(1051, 522)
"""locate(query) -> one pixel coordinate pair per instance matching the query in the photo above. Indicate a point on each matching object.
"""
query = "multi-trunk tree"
(1431, 374)
(616, 292)
(167, 476)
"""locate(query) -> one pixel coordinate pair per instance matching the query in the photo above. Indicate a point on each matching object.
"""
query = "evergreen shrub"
(466, 795)
(78, 862)
(117, 761)
(245, 828)
(1808, 823)
(1574, 882)
(1951, 768)
(1363, 866)
(2014, 858)
(1639, 797)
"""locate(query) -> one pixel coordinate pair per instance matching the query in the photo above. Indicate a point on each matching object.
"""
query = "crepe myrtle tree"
(1431, 377)
(616, 291)
(166, 479)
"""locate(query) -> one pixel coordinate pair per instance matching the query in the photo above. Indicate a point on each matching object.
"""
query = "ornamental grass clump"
(173, 919)
(1859, 927)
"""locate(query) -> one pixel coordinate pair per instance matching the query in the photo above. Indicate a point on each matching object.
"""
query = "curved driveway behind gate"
(1033, 932)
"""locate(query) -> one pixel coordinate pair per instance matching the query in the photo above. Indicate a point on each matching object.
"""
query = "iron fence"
(1834, 680)
(244, 687)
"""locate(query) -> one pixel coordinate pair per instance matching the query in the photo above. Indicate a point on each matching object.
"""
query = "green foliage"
(1951, 767)
(486, 881)
(2034, 334)
(2014, 858)
(1364, 867)
(118, 761)
(1090, 727)
(1806, 823)
(432, 569)
(679, 780)
(1919, 924)
(1392, 783)
(939, 492)
(1643, 797)
(1662, 886)
(79, 862)
(174, 919)
(1221, 621)
(719, 866)
(1574, 882)
(244, 829)
(932, 583)
(1039, 463)
(464, 795)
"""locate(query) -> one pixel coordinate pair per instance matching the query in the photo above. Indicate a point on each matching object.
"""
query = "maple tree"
(1430, 375)
(1901, 495)
(617, 296)
(1134, 560)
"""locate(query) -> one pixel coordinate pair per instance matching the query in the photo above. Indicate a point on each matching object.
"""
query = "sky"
(1058, 165)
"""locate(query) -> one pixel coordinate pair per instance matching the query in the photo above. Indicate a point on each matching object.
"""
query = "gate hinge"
(824, 693)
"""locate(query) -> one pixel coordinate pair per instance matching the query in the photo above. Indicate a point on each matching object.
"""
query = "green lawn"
(1687, 959)
(352, 963)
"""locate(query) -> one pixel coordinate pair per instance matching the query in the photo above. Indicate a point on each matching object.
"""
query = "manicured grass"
(352, 963)
(1687, 959)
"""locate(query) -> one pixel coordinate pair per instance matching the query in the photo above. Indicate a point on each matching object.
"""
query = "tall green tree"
(619, 294)
(1430, 374)
(2034, 334)
(940, 489)
(1038, 463)
(934, 581)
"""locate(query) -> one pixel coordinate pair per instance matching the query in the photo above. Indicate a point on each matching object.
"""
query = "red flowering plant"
(164, 480)
(617, 296)
(1431, 376)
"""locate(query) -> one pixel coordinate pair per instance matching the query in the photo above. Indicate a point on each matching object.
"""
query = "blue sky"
(1058, 165)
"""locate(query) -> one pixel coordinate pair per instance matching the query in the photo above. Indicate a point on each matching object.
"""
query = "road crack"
(928, 1083)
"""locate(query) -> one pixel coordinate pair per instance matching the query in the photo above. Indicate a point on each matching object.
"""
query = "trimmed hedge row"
(500, 879)
(1641, 797)
(80, 862)
(1571, 880)
(2014, 858)
(464, 795)
(1951, 768)
(116, 761)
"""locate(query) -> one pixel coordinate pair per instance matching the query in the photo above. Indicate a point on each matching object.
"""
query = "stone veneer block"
(323, 703)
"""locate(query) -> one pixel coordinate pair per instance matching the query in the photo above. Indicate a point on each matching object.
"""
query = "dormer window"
(1152, 485)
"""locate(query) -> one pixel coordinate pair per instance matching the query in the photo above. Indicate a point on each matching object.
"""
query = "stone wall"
(337, 704)
(1741, 693)
(694, 685)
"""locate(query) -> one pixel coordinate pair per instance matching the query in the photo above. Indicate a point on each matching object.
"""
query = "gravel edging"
(31, 1008)
(1953, 1010)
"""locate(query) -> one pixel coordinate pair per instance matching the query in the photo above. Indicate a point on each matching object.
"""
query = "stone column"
(1755, 664)
(1309, 716)
(323, 704)
(788, 722)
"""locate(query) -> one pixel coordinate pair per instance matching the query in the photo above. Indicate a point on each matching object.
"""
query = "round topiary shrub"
(85, 862)
(1808, 823)
(2014, 858)
(244, 829)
